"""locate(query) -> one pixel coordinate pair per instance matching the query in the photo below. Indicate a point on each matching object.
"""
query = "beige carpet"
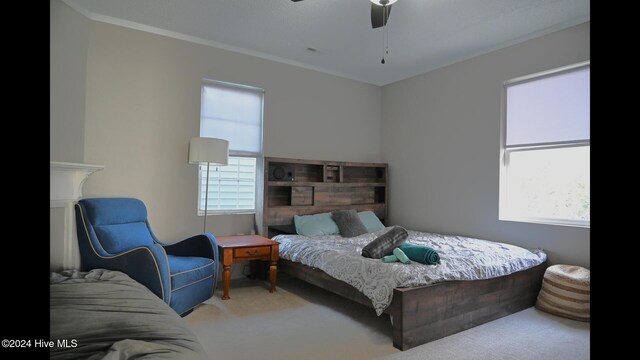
(301, 321)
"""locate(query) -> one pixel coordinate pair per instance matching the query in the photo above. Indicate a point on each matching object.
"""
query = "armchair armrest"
(202, 245)
(147, 265)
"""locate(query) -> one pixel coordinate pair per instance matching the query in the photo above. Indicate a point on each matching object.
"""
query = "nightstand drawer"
(248, 252)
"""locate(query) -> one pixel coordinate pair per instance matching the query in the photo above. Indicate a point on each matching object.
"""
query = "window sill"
(547, 222)
(227, 212)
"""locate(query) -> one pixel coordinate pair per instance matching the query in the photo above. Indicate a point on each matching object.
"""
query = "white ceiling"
(423, 34)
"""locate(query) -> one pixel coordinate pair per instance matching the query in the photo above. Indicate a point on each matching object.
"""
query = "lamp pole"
(206, 200)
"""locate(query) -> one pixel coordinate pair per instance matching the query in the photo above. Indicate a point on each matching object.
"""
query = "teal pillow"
(371, 221)
(316, 225)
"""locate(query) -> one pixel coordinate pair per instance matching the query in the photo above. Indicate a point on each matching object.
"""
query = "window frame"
(505, 151)
(259, 156)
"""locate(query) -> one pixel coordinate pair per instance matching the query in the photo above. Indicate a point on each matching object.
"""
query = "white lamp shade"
(208, 150)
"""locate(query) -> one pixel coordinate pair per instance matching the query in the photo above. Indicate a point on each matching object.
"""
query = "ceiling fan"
(380, 11)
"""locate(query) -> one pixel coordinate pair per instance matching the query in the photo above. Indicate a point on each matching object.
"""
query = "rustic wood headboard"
(302, 187)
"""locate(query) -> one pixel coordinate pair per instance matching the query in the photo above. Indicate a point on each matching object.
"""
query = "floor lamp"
(211, 151)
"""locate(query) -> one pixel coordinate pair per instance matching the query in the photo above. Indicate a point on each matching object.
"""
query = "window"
(545, 168)
(232, 112)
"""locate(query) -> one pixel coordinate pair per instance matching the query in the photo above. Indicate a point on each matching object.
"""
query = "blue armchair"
(114, 234)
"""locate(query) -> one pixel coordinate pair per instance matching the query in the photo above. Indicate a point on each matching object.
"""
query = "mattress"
(105, 314)
(461, 258)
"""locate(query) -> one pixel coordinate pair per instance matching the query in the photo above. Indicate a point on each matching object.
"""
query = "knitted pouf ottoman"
(566, 292)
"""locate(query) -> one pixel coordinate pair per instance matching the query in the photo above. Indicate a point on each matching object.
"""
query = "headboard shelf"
(326, 184)
(303, 187)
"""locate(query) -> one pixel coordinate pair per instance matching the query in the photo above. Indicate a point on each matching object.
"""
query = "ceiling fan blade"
(377, 15)
(296, 0)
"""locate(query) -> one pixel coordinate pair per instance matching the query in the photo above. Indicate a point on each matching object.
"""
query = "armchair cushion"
(122, 237)
(108, 211)
(187, 270)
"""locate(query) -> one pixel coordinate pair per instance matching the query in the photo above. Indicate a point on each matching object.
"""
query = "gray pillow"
(349, 223)
(384, 244)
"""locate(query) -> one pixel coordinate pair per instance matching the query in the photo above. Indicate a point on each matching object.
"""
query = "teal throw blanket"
(421, 254)
(398, 255)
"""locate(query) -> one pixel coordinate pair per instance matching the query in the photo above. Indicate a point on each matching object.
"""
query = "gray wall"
(441, 137)
(68, 41)
(143, 106)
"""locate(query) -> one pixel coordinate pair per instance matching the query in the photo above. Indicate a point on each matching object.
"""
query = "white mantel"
(65, 188)
(65, 181)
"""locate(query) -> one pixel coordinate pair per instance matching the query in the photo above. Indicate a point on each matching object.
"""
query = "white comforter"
(461, 258)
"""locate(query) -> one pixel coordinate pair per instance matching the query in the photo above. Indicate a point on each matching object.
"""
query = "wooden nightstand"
(235, 249)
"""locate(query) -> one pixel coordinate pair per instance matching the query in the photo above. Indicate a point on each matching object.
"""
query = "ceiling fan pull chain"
(386, 29)
(384, 26)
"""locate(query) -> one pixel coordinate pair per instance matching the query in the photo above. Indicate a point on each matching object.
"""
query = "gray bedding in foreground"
(461, 258)
(111, 316)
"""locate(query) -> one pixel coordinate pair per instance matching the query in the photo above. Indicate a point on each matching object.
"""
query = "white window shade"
(549, 109)
(233, 113)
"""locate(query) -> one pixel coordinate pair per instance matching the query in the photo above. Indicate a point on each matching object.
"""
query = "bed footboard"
(426, 313)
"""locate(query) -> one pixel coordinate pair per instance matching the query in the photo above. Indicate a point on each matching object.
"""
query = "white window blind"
(231, 188)
(545, 167)
(550, 109)
(232, 112)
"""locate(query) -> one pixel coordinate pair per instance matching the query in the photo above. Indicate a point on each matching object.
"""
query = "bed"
(419, 313)
(105, 314)
(476, 282)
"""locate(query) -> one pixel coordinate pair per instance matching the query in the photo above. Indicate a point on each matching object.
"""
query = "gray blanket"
(111, 316)
(461, 258)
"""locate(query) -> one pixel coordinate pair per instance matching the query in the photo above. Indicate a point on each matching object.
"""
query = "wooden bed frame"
(419, 314)
(426, 313)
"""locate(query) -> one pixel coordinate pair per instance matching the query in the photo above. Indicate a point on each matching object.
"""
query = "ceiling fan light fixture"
(383, 2)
